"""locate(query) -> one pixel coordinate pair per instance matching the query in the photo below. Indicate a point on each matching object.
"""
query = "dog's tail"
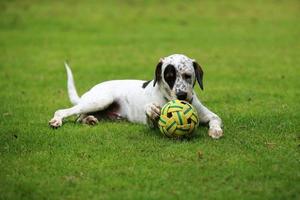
(74, 98)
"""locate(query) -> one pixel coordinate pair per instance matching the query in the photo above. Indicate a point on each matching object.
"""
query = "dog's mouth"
(170, 96)
(187, 100)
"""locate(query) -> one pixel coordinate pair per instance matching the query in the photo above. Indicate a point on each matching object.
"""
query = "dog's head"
(176, 76)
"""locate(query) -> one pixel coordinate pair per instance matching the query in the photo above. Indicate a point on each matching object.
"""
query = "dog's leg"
(152, 111)
(207, 116)
(84, 107)
(87, 119)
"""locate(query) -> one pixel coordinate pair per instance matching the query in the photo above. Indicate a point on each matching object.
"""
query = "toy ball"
(178, 119)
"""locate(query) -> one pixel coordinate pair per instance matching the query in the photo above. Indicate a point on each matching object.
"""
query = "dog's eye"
(169, 75)
(187, 76)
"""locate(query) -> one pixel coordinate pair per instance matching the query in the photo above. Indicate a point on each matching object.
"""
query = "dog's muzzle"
(181, 95)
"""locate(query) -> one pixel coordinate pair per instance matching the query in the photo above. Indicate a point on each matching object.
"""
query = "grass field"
(250, 53)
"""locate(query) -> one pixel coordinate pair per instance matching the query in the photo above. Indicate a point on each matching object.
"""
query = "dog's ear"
(198, 73)
(158, 72)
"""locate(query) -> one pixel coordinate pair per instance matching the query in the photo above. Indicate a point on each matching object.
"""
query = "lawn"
(250, 53)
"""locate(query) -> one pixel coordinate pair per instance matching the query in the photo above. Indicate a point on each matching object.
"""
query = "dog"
(140, 101)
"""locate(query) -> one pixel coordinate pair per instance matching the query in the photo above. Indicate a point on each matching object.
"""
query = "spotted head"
(176, 76)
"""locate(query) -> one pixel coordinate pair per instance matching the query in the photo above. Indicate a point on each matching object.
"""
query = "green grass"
(250, 53)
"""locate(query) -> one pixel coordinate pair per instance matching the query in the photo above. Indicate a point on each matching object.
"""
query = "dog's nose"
(181, 95)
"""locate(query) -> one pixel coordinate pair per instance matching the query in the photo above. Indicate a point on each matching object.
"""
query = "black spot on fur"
(199, 74)
(145, 84)
(170, 75)
(157, 73)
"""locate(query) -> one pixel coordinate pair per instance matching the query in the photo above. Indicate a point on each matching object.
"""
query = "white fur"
(136, 104)
(74, 98)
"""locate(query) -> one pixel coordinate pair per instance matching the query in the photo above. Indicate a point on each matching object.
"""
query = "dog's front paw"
(55, 122)
(215, 132)
(153, 111)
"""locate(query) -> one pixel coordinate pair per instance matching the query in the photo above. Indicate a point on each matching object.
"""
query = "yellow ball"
(178, 119)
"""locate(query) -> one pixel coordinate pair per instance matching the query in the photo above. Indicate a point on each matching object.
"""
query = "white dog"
(140, 101)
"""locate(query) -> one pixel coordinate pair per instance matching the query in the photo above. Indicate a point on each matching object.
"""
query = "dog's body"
(127, 97)
(140, 101)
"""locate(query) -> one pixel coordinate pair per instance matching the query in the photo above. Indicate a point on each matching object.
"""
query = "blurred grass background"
(250, 55)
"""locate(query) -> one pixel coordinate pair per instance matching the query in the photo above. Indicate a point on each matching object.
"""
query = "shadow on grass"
(133, 130)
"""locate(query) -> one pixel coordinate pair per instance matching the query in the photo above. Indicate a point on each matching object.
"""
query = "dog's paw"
(55, 122)
(90, 120)
(153, 111)
(215, 132)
